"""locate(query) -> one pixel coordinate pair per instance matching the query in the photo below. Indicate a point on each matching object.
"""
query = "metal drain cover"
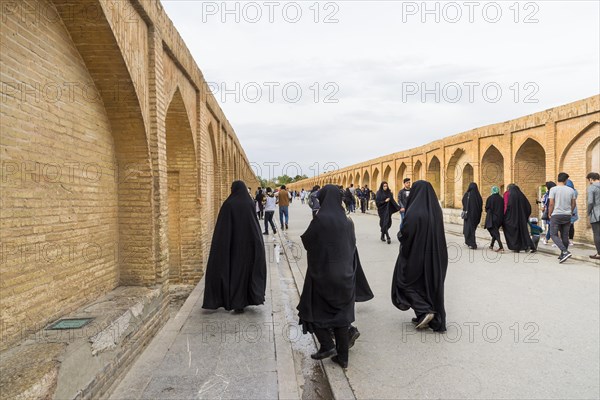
(69, 323)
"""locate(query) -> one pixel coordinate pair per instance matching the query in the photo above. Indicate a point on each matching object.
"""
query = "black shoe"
(564, 256)
(265, 233)
(389, 240)
(354, 334)
(319, 355)
(238, 311)
(415, 321)
(274, 231)
(382, 238)
(286, 227)
(336, 359)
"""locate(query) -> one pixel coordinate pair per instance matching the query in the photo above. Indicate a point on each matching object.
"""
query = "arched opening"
(417, 171)
(350, 180)
(344, 182)
(357, 179)
(95, 196)
(434, 175)
(468, 176)
(366, 180)
(530, 170)
(492, 170)
(376, 179)
(386, 177)
(182, 189)
(454, 178)
(400, 175)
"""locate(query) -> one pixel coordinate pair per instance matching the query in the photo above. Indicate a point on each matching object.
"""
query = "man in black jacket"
(403, 197)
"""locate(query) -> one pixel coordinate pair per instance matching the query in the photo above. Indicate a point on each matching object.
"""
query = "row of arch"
(459, 172)
(196, 187)
(528, 168)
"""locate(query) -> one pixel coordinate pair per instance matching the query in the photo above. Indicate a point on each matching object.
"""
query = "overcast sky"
(383, 76)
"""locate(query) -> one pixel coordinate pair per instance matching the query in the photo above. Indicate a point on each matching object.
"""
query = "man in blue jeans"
(283, 199)
(560, 211)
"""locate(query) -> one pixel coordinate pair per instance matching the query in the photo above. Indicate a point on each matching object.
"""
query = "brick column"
(552, 155)
(158, 153)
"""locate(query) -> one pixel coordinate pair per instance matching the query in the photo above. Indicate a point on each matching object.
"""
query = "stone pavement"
(203, 354)
(519, 326)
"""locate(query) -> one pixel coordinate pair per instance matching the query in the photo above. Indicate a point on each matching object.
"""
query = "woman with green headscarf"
(494, 207)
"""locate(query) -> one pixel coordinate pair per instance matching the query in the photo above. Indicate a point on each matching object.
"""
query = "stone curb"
(338, 381)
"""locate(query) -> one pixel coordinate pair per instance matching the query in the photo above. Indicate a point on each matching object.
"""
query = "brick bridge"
(115, 156)
(527, 151)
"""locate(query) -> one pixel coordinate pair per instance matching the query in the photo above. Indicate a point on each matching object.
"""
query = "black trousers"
(495, 234)
(596, 232)
(363, 205)
(342, 340)
(269, 220)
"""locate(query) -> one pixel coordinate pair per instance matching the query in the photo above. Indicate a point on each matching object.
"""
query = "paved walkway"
(519, 326)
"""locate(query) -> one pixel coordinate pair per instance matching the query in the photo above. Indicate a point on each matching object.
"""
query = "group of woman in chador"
(510, 211)
(335, 280)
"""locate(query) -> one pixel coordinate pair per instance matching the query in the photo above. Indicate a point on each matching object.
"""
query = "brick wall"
(60, 178)
(528, 151)
(115, 156)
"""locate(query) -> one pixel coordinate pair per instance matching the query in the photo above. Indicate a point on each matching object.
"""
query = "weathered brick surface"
(115, 156)
(527, 151)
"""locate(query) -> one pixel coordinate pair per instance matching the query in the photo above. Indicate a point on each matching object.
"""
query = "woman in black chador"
(494, 208)
(418, 280)
(472, 208)
(260, 197)
(236, 273)
(386, 207)
(516, 221)
(334, 279)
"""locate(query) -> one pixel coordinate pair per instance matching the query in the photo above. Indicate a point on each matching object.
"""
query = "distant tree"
(299, 178)
(284, 180)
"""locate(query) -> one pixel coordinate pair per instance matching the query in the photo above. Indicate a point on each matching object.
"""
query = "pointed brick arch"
(530, 170)
(386, 177)
(375, 179)
(454, 178)
(185, 258)
(434, 175)
(492, 170)
(417, 173)
(366, 180)
(131, 145)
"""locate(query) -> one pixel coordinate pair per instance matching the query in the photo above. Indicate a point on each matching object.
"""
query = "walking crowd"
(335, 280)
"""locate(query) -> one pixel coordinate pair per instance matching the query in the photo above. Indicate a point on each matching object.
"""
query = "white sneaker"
(554, 245)
(544, 241)
(571, 243)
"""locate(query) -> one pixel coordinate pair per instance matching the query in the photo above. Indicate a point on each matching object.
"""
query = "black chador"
(494, 208)
(334, 277)
(386, 207)
(472, 206)
(236, 273)
(418, 280)
(516, 219)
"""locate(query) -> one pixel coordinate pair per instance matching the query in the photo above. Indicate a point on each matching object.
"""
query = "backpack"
(309, 200)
